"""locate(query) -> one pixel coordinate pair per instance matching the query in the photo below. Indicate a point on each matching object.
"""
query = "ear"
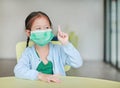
(27, 32)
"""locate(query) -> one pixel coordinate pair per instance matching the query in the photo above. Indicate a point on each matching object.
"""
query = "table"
(67, 82)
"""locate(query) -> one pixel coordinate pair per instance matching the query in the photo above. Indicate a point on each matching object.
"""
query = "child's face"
(40, 23)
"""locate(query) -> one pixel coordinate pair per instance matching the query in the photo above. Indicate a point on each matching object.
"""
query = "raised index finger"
(59, 29)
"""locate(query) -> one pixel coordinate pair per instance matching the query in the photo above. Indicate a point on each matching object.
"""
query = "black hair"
(30, 19)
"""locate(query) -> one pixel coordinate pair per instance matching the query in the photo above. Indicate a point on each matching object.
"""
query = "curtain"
(112, 32)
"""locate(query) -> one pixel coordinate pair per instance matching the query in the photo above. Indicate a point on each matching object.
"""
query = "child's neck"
(42, 48)
(42, 52)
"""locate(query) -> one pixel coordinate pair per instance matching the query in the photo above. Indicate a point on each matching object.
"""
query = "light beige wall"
(85, 17)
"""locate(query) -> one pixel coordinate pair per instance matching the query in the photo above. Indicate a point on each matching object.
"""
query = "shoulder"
(55, 46)
(29, 50)
(59, 46)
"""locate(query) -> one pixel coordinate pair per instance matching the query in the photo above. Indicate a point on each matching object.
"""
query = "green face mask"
(41, 37)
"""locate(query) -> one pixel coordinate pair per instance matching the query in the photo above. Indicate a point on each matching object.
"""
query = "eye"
(47, 27)
(38, 28)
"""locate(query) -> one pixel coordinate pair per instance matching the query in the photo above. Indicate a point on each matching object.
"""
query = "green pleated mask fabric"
(41, 37)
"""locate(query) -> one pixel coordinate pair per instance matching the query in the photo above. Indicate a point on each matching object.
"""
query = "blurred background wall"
(84, 17)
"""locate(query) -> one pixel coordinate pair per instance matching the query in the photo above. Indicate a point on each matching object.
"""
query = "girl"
(44, 60)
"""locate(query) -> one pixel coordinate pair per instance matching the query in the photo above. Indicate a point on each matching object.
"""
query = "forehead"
(41, 21)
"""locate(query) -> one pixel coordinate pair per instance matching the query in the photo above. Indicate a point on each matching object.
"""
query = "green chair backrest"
(73, 38)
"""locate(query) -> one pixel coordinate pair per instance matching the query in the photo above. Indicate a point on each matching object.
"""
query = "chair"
(20, 47)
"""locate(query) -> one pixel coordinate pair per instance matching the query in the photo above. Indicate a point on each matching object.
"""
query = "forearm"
(26, 73)
(73, 56)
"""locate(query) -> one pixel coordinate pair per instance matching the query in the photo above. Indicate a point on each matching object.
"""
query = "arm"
(24, 70)
(70, 54)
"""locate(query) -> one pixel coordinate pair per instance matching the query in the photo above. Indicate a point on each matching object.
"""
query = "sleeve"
(23, 68)
(71, 55)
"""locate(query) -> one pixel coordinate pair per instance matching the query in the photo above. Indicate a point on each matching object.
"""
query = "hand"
(49, 78)
(62, 37)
